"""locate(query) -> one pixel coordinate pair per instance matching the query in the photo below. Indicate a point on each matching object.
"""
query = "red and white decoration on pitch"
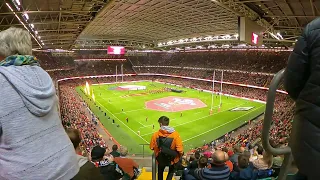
(118, 50)
(174, 104)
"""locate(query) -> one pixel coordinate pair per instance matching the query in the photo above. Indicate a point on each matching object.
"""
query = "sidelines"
(218, 126)
(198, 118)
(124, 123)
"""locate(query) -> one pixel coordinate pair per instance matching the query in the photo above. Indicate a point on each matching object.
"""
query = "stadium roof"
(71, 24)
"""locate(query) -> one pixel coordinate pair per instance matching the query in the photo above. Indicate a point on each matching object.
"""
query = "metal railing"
(154, 167)
(143, 151)
(267, 126)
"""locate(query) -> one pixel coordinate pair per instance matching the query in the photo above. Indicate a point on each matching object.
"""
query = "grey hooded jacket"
(33, 143)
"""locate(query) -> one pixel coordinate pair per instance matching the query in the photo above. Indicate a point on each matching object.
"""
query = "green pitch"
(195, 126)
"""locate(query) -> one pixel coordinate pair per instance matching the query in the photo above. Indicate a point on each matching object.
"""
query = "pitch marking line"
(146, 126)
(217, 126)
(130, 111)
(198, 118)
(124, 124)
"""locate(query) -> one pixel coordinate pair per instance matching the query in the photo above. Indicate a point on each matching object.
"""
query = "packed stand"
(236, 163)
(51, 62)
(261, 80)
(74, 115)
(249, 60)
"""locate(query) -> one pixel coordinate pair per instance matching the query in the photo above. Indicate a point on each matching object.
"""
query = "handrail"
(143, 148)
(267, 126)
(268, 117)
(154, 167)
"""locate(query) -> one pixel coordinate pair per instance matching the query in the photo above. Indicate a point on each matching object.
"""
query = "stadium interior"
(114, 63)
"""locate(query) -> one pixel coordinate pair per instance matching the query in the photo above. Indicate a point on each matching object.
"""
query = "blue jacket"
(243, 174)
(302, 82)
(214, 173)
(250, 173)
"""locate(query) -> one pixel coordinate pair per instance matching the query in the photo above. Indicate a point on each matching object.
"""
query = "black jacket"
(111, 172)
(88, 172)
(302, 82)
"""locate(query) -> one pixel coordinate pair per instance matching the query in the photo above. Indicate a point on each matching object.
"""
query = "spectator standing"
(167, 146)
(126, 164)
(33, 143)
(302, 83)
(87, 170)
(234, 157)
(115, 152)
(218, 168)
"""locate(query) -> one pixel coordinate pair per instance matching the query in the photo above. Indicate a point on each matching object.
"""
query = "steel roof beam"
(241, 9)
(312, 8)
(291, 16)
(46, 12)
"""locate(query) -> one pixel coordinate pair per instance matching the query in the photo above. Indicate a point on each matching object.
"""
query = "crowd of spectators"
(256, 79)
(237, 163)
(244, 67)
(74, 115)
(249, 60)
(91, 68)
(50, 62)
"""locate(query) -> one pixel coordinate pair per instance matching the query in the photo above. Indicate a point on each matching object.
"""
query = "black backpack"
(166, 154)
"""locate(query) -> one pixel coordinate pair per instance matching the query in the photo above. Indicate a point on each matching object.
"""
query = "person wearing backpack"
(167, 146)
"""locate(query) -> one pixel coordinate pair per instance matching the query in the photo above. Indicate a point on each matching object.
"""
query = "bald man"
(219, 170)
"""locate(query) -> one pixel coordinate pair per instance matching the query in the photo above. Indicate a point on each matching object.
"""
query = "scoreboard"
(250, 32)
(116, 50)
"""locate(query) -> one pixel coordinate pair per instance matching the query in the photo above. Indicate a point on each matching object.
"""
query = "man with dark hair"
(188, 174)
(244, 169)
(218, 168)
(108, 168)
(243, 161)
(203, 162)
(234, 157)
(167, 146)
(87, 169)
(115, 152)
(194, 163)
(260, 150)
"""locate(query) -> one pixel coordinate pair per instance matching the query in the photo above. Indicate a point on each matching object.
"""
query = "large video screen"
(116, 50)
